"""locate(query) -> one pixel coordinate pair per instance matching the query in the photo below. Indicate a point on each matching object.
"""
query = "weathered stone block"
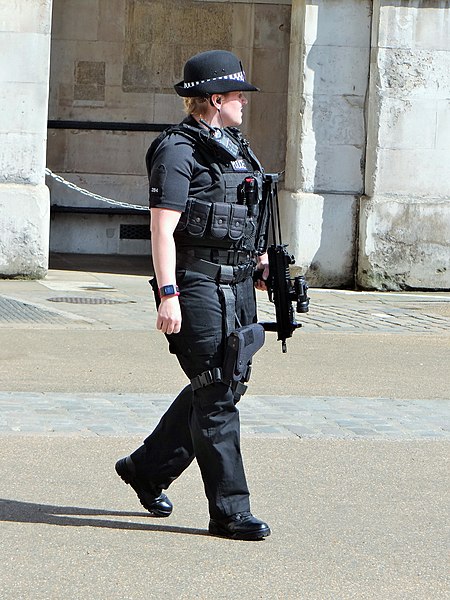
(20, 66)
(336, 122)
(406, 73)
(136, 107)
(321, 231)
(22, 157)
(419, 172)
(272, 27)
(19, 102)
(418, 24)
(111, 22)
(332, 168)
(267, 121)
(270, 67)
(24, 230)
(111, 151)
(331, 70)
(75, 19)
(214, 22)
(89, 81)
(57, 149)
(241, 27)
(89, 73)
(338, 23)
(404, 243)
(159, 41)
(407, 123)
(168, 109)
(23, 16)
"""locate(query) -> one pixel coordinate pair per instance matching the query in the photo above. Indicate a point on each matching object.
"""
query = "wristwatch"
(169, 290)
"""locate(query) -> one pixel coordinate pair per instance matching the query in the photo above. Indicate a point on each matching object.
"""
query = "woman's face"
(231, 108)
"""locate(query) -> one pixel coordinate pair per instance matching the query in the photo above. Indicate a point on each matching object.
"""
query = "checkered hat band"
(240, 76)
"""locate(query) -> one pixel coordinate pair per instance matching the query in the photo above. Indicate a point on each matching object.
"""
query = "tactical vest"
(226, 215)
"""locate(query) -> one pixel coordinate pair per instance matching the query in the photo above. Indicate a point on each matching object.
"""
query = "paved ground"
(266, 416)
(345, 439)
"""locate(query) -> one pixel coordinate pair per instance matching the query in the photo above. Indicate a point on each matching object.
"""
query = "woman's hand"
(262, 265)
(169, 315)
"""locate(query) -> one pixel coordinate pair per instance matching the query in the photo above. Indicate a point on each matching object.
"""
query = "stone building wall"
(367, 193)
(354, 104)
(24, 198)
(328, 84)
(405, 212)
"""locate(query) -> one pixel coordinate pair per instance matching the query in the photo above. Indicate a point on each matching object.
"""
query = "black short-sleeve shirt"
(177, 170)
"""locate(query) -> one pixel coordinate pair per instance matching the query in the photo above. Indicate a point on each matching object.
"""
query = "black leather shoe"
(157, 505)
(241, 526)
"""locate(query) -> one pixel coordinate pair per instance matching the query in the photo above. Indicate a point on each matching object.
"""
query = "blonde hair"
(194, 106)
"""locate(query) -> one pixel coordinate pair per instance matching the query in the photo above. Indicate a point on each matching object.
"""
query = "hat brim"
(221, 86)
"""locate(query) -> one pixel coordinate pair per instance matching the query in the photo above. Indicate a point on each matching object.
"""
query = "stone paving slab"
(261, 416)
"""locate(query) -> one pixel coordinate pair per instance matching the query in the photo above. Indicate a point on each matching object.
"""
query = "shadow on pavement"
(102, 263)
(72, 516)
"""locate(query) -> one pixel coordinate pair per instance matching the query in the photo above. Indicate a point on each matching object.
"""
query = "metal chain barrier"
(76, 188)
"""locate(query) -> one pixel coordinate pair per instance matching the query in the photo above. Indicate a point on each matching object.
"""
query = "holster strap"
(207, 378)
(216, 376)
(229, 307)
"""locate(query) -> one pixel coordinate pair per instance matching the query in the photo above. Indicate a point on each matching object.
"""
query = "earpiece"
(218, 101)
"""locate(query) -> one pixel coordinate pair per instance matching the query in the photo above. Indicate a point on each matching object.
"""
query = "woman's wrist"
(166, 291)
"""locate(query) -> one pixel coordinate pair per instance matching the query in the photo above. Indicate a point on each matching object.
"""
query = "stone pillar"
(24, 77)
(405, 214)
(328, 77)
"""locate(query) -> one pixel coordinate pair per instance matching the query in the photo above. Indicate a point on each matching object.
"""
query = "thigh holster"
(242, 345)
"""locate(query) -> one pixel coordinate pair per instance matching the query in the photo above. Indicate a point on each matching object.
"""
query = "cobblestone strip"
(267, 416)
(373, 317)
(328, 312)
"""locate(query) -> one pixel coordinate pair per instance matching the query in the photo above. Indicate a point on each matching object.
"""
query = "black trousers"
(203, 424)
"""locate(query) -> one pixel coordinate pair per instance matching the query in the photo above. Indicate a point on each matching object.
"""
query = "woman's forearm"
(163, 245)
(164, 261)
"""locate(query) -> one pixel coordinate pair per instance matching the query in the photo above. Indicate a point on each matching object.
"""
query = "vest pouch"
(237, 222)
(220, 219)
(197, 217)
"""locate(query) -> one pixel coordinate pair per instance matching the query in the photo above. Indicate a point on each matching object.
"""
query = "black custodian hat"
(213, 72)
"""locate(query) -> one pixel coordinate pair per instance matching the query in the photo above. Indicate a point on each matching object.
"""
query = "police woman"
(203, 227)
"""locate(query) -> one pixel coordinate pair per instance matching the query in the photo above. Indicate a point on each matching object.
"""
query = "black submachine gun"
(282, 289)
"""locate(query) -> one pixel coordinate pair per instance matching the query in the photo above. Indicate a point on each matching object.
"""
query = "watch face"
(168, 290)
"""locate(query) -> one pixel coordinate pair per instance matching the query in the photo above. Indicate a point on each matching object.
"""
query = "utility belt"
(224, 274)
(225, 266)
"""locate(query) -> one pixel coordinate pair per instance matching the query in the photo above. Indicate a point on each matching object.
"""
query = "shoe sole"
(123, 472)
(249, 536)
